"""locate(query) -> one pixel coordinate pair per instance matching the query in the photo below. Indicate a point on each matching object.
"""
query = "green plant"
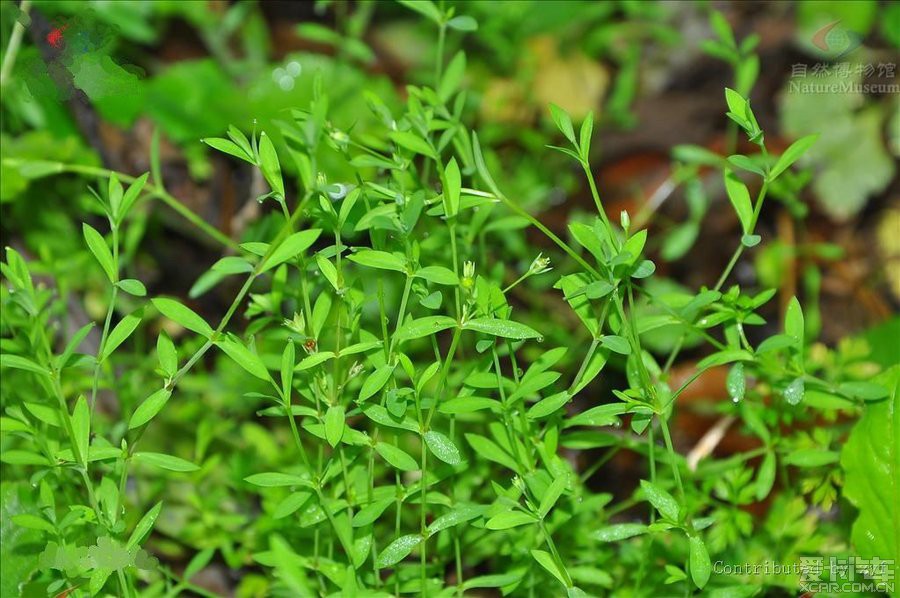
(420, 428)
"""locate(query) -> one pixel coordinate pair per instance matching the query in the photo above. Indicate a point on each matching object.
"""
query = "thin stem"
(149, 189)
(740, 249)
(15, 40)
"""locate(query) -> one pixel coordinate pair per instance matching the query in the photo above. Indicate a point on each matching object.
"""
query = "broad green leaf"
(244, 357)
(426, 8)
(463, 23)
(413, 143)
(165, 462)
(791, 155)
(375, 382)
(334, 424)
(398, 550)
(328, 271)
(502, 328)
(548, 406)
(292, 248)
(23, 363)
(871, 462)
(423, 327)
(616, 343)
(232, 264)
(290, 504)
(460, 514)
(662, 500)
(740, 200)
(793, 322)
(168, 356)
(132, 287)
(182, 315)
(510, 519)
(442, 447)
(700, 564)
(97, 244)
(151, 406)
(810, 457)
(438, 275)
(120, 333)
(372, 511)
(33, 522)
(554, 491)
(620, 531)
(634, 246)
(563, 122)
(396, 457)
(381, 260)
(489, 450)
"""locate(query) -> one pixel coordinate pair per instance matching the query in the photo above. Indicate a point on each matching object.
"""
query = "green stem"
(15, 40)
(149, 189)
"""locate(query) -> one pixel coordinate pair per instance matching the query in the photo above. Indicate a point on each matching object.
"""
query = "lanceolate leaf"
(502, 328)
(97, 244)
(182, 315)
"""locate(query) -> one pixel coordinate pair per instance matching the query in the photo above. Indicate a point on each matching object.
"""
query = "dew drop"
(293, 68)
(286, 83)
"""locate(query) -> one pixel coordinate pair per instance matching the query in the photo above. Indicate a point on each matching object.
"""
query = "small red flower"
(55, 37)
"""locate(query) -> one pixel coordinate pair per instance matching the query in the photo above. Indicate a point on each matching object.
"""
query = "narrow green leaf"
(413, 143)
(292, 248)
(546, 561)
(791, 155)
(381, 260)
(502, 328)
(244, 357)
(97, 244)
(620, 531)
(662, 500)
(509, 520)
(166, 462)
(700, 564)
(398, 550)
(151, 406)
(144, 526)
(396, 457)
(334, 425)
(563, 122)
(270, 166)
(375, 382)
(442, 447)
(275, 479)
(740, 200)
(452, 186)
(81, 428)
(120, 333)
(132, 287)
(182, 315)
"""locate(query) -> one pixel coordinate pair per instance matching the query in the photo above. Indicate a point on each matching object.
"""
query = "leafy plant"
(391, 417)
